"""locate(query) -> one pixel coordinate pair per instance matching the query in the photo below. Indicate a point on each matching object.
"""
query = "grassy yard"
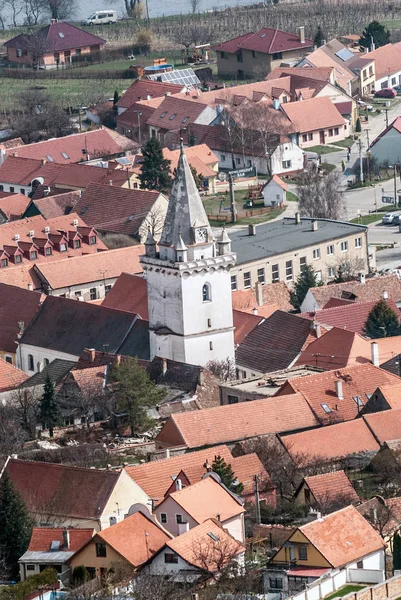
(291, 197)
(347, 589)
(217, 205)
(344, 143)
(322, 149)
(366, 219)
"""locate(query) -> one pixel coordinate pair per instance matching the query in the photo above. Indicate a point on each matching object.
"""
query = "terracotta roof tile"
(343, 536)
(387, 60)
(371, 290)
(338, 348)
(331, 442)
(55, 37)
(14, 206)
(331, 486)
(273, 293)
(244, 323)
(313, 114)
(224, 424)
(318, 73)
(57, 205)
(200, 157)
(42, 538)
(385, 425)
(266, 40)
(142, 88)
(130, 293)
(392, 393)
(137, 538)
(245, 468)
(394, 504)
(186, 111)
(16, 305)
(374, 506)
(10, 376)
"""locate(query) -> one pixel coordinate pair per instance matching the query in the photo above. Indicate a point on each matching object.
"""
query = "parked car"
(391, 219)
(386, 93)
(104, 17)
(397, 88)
(364, 105)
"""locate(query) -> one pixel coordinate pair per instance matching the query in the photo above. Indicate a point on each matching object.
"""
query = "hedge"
(22, 589)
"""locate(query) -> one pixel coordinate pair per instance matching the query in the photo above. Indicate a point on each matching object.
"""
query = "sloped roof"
(10, 376)
(137, 538)
(343, 536)
(58, 205)
(331, 442)
(182, 107)
(16, 305)
(110, 208)
(142, 88)
(14, 206)
(274, 344)
(42, 538)
(245, 468)
(385, 425)
(55, 37)
(331, 486)
(56, 370)
(60, 490)
(396, 124)
(266, 40)
(392, 393)
(323, 57)
(371, 290)
(387, 60)
(200, 157)
(338, 348)
(318, 73)
(130, 293)
(244, 323)
(313, 114)
(224, 424)
(272, 293)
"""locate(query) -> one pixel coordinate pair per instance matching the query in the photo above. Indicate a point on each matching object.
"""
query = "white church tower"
(189, 284)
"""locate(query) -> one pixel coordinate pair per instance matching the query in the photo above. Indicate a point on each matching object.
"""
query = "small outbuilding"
(274, 192)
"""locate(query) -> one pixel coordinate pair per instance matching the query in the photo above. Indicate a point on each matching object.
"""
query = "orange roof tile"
(371, 290)
(42, 538)
(130, 293)
(392, 394)
(273, 293)
(343, 536)
(331, 442)
(10, 376)
(331, 486)
(385, 425)
(388, 347)
(245, 468)
(223, 424)
(338, 348)
(14, 206)
(137, 538)
(200, 157)
(142, 88)
(313, 114)
(387, 60)
(244, 323)
(206, 500)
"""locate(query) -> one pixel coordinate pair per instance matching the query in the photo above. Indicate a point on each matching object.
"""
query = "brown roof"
(207, 499)
(266, 40)
(343, 536)
(385, 425)
(137, 538)
(186, 111)
(55, 37)
(331, 486)
(331, 442)
(313, 114)
(224, 424)
(60, 490)
(142, 88)
(16, 305)
(369, 291)
(130, 293)
(336, 349)
(387, 60)
(42, 538)
(90, 267)
(318, 73)
(58, 205)
(273, 293)
(375, 506)
(245, 468)
(10, 376)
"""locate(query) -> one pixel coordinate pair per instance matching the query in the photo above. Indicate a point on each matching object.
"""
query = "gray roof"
(57, 558)
(56, 370)
(283, 236)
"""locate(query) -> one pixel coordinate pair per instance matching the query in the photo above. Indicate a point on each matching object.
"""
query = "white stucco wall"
(125, 493)
(39, 356)
(388, 81)
(23, 189)
(289, 151)
(83, 290)
(182, 570)
(272, 192)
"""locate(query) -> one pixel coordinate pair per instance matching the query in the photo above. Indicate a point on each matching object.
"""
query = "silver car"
(391, 219)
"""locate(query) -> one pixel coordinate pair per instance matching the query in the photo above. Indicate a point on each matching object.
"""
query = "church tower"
(189, 284)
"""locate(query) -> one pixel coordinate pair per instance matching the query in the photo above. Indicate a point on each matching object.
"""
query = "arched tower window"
(206, 292)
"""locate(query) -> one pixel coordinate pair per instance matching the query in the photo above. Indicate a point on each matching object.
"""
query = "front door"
(321, 133)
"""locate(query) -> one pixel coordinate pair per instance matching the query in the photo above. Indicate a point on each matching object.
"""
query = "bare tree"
(320, 196)
(26, 403)
(217, 559)
(15, 9)
(12, 436)
(154, 221)
(223, 369)
(33, 10)
(195, 5)
(59, 9)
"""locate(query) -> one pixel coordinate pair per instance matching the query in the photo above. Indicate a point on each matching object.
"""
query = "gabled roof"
(137, 538)
(56, 206)
(207, 499)
(175, 112)
(396, 124)
(318, 73)
(267, 41)
(13, 206)
(60, 490)
(343, 536)
(387, 60)
(276, 179)
(385, 425)
(392, 394)
(10, 376)
(56, 370)
(116, 209)
(129, 293)
(272, 293)
(275, 343)
(55, 37)
(371, 290)
(331, 442)
(329, 487)
(142, 88)
(200, 157)
(224, 424)
(16, 305)
(313, 114)
(42, 538)
(324, 57)
(244, 323)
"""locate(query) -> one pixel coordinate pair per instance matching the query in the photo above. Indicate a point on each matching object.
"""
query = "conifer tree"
(227, 475)
(306, 280)
(382, 321)
(319, 37)
(155, 173)
(397, 553)
(374, 34)
(116, 97)
(49, 412)
(15, 525)
(358, 126)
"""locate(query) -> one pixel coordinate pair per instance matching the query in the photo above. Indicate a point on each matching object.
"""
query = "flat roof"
(271, 382)
(279, 237)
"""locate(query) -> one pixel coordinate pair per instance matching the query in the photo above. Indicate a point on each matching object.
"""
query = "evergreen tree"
(135, 393)
(319, 37)
(307, 279)
(382, 321)
(358, 126)
(15, 525)
(116, 97)
(376, 33)
(227, 475)
(155, 173)
(397, 553)
(49, 412)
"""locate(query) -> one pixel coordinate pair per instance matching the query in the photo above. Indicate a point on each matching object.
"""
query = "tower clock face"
(201, 234)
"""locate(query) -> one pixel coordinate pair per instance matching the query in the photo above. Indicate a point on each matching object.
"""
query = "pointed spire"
(180, 244)
(223, 242)
(150, 244)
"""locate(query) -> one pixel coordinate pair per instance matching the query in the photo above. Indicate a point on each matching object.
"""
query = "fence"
(241, 214)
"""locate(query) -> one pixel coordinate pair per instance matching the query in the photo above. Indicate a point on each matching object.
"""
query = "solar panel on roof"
(345, 54)
(181, 77)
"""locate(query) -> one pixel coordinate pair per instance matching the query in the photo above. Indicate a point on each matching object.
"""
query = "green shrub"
(79, 575)
(22, 589)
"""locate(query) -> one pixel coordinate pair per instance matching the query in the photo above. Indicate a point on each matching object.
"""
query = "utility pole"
(386, 111)
(232, 198)
(360, 161)
(395, 184)
(257, 499)
(367, 137)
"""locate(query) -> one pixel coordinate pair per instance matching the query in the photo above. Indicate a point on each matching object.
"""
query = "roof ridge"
(63, 466)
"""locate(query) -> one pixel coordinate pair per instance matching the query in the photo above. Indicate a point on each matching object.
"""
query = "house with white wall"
(274, 192)
(387, 66)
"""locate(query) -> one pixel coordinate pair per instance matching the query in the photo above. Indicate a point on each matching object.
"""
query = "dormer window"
(77, 244)
(92, 240)
(63, 247)
(48, 251)
(17, 258)
(4, 262)
(33, 255)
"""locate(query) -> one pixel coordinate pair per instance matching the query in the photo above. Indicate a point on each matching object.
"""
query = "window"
(185, 120)
(22, 191)
(331, 272)
(316, 254)
(239, 57)
(275, 273)
(65, 155)
(178, 519)
(223, 55)
(288, 270)
(107, 288)
(277, 55)
(247, 279)
(101, 550)
(34, 255)
(210, 345)
(31, 364)
(93, 293)
(206, 293)
(330, 133)
(370, 70)
(393, 81)
(48, 251)
(310, 136)
(12, 189)
(78, 51)
(359, 564)
(358, 242)
(163, 517)
(344, 246)
(78, 293)
(112, 521)
(9, 359)
(238, 161)
(261, 276)
(330, 250)
(286, 164)
(17, 258)
(170, 558)
(302, 552)
(4, 262)
(336, 131)
(30, 567)
(276, 583)
(302, 264)
(253, 54)
(304, 137)
(77, 244)
(1, 188)
(46, 362)
(358, 401)
(233, 283)
(326, 408)
(92, 240)
(163, 114)
(284, 99)
(233, 399)
(223, 158)
(63, 247)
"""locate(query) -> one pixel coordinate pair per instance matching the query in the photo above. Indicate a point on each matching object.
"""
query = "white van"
(102, 17)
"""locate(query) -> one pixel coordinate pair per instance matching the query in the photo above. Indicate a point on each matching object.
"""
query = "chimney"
(255, 311)
(30, 287)
(317, 329)
(66, 538)
(385, 295)
(259, 293)
(167, 453)
(339, 389)
(110, 182)
(167, 94)
(183, 528)
(43, 161)
(374, 352)
(207, 466)
(148, 97)
(297, 218)
(92, 354)
(21, 329)
(178, 484)
(218, 516)
(375, 516)
(362, 278)
(164, 366)
(314, 226)
(251, 229)
(301, 31)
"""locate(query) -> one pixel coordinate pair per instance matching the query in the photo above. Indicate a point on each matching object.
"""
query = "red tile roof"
(329, 487)
(142, 88)
(130, 293)
(338, 348)
(371, 290)
(387, 60)
(16, 305)
(224, 424)
(386, 425)
(103, 141)
(10, 376)
(60, 490)
(266, 40)
(318, 73)
(313, 114)
(186, 111)
(244, 323)
(55, 37)
(56, 206)
(42, 538)
(331, 442)
(272, 293)
(14, 206)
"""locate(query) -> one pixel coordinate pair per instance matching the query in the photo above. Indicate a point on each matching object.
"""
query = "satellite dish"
(222, 176)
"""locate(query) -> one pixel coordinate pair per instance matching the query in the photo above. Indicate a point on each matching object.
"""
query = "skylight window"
(64, 155)
(357, 400)
(214, 537)
(131, 218)
(326, 408)
(83, 210)
(61, 34)
(173, 116)
(50, 158)
(55, 545)
(163, 114)
(185, 120)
